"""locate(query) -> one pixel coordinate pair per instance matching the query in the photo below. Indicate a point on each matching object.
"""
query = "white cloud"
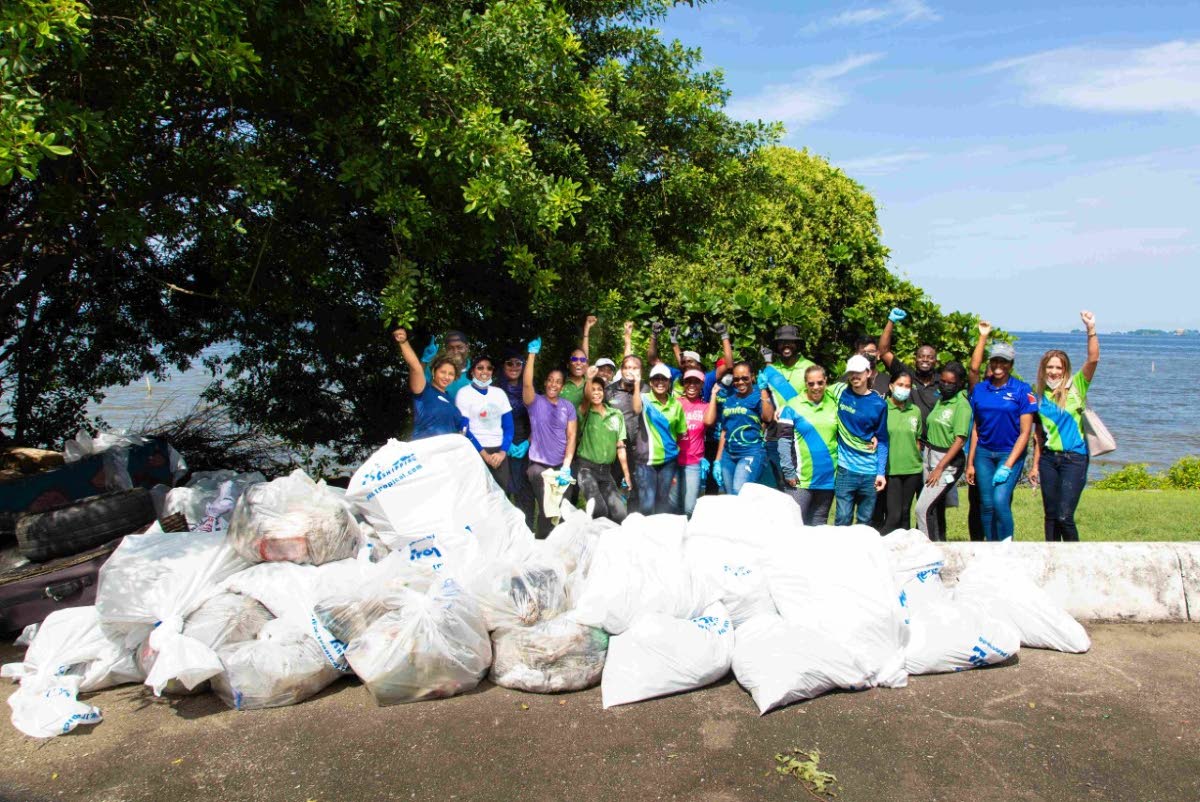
(813, 96)
(881, 164)
(1161, 78)
(896, 12)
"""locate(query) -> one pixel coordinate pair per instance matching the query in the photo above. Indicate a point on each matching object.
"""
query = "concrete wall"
(1103, 581)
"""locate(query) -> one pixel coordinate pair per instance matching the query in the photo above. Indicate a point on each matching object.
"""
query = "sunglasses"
(815, 384)
(514, 363)
(579, 359)
(740, 379)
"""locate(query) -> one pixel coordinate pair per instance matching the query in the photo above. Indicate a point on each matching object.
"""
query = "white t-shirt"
(484, 413)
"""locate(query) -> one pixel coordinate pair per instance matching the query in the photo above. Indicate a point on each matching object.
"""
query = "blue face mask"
(901, 394)
(482, 384)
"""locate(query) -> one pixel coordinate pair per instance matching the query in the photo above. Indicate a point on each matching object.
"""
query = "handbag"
(1099, 439)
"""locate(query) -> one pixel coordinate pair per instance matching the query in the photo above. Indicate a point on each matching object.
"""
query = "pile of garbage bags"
(421, 580)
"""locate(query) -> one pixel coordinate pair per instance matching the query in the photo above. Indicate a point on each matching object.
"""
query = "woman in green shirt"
(601, 443)
(946, 431)
(904, 454)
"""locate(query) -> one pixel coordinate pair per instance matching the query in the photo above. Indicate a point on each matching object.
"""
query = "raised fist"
(673, 333)
(629, 327)
(1088, 319)
(400, 336)
(720, 329)
(589, 322)
(985, 328)
(657, 327)
(767, 354)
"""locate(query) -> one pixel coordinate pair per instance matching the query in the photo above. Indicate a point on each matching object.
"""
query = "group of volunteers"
(867, 445)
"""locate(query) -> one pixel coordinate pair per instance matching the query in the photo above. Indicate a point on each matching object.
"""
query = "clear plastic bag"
(293, 519)
(283, 666)
(427, 646)
(549, 657)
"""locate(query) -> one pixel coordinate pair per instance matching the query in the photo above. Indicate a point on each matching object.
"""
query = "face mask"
(629, 375)
(482, 384)
(947, 390)
(727, 379)
(901, 394)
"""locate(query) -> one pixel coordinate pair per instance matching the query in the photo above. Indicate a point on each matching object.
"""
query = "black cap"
(787, 333)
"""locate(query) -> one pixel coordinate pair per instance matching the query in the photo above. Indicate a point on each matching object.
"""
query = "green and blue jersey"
(815, 427)
(1064, 427)
(861, 419)
(662, 426)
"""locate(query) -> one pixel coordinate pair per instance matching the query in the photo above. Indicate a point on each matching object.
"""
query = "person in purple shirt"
(552, 423)
(1003, 407)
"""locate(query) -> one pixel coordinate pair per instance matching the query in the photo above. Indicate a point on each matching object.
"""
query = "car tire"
(83, 524)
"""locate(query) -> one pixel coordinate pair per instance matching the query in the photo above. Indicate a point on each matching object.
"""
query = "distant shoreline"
(1133, 333)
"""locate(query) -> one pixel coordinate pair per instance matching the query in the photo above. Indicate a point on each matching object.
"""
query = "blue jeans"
(739, 470)
(689, 484)
(654, 487)
(814, 506)
(1063, 475)
(854, 494)
(996, 500)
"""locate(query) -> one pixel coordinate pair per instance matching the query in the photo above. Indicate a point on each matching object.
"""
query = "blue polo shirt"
(998, 412)
(434, 413)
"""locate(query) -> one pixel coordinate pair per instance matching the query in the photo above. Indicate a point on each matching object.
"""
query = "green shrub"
(1185, 474)
(1131, 477)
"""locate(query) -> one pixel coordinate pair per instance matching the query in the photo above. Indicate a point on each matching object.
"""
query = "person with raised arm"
(1060, 450)
(552, 423)
(1004, 408)
(657, 447)
(577, 365)
(601, 445)
(434, 411)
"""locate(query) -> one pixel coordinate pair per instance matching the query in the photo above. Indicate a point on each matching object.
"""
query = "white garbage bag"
(283, 666)
(292, 593)
(640, 568)
(949, 636)
(427, 646)
(1000, 588)
(69, 655)
(573, 542)
(837, 579)
(780, 662)
(726, 517)
(916, 564)
(551, 656)
(293, 519)
(224, 619)
(736, 574)
(660, 655)
(439, 492)
(151, 584)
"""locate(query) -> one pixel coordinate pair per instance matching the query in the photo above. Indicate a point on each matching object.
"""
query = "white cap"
(857, 364)
(605, 362)
(660, 370)
(691, 355)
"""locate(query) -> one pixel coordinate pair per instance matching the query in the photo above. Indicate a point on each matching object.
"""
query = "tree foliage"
(294, 176)
(804, 249)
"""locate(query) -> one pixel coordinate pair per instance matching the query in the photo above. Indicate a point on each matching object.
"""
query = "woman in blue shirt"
(434, 411)
(1003, 407)
(742, 412)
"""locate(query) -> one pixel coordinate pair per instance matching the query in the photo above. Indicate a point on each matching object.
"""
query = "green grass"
(1112, 515)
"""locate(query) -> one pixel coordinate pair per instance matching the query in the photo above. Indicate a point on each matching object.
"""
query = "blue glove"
(535, 346)
(705, 467)
(897, 314)
(719, 478)
(430, 350)
(762, 380)
(518, 450)
(564, 476)
(1002, 474)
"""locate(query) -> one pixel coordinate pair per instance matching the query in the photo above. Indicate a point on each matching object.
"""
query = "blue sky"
(1029, 160)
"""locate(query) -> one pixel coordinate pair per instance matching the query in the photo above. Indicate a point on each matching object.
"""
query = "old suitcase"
(31, 592)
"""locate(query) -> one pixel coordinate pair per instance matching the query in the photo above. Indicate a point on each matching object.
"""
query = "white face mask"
(629, 375)
(1053, 384)
(481, 383)
(901, 394)
(727, 379)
